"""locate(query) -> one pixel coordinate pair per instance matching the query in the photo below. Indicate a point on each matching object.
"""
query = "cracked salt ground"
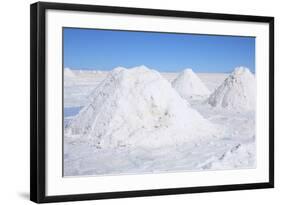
(211, 138)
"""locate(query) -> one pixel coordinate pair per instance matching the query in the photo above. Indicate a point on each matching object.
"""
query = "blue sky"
(165, 52)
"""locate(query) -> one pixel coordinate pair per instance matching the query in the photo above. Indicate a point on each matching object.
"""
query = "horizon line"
(178, 71)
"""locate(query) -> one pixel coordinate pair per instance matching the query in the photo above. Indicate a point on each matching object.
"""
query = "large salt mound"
(238, 91)
(189, 85)
(138, 107)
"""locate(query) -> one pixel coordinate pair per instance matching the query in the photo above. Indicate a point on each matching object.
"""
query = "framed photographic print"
(129, 102)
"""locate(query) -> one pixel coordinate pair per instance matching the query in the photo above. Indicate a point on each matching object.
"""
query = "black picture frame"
(38, 101)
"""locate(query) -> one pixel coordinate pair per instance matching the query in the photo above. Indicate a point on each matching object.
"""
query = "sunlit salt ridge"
(137, 107)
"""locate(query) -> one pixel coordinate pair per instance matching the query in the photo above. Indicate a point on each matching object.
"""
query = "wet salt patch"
(71, 111)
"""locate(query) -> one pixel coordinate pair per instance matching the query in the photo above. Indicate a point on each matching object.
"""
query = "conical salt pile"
(189, 85)
(238, 91)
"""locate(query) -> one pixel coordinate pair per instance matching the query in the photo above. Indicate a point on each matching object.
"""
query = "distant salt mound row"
(238, 91)
(137, 107)
(68, 73)
(69, 77)
(189, 85)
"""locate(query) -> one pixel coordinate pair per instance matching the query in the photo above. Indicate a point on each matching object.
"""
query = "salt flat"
(232, 148)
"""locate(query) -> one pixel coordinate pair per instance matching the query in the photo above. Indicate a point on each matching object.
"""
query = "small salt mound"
(189, 85)
(137, 107)
(68, 73)
(238, 91)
